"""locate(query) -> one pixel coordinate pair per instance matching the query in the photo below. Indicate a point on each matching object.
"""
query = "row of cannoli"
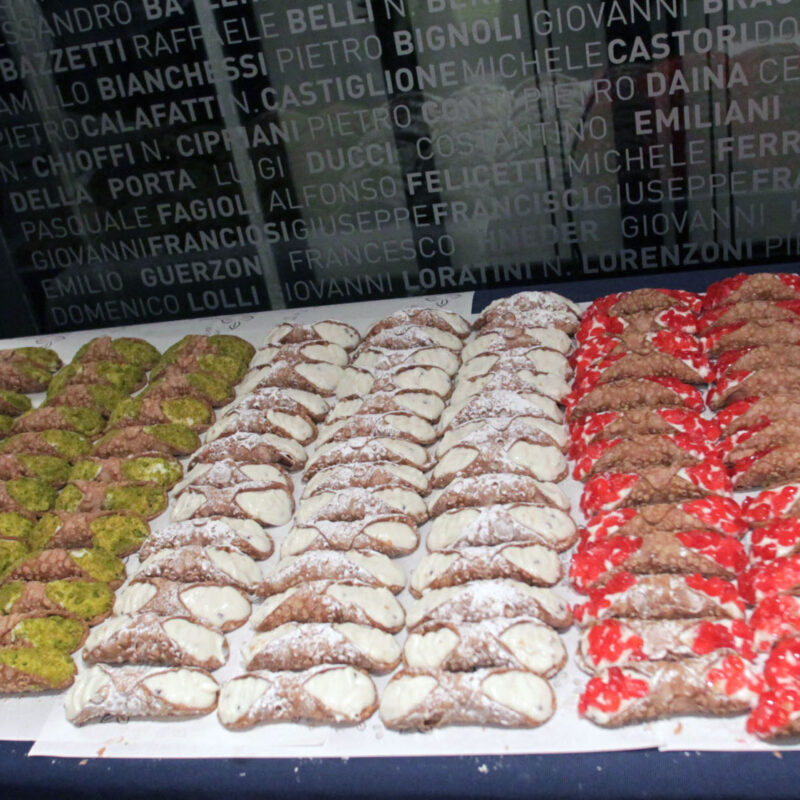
(663, 627)
(483, 635)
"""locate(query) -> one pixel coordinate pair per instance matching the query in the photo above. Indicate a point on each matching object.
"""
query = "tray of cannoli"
(543, 527)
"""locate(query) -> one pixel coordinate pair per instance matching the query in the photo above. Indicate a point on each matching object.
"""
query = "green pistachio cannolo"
(119, 534)
(161, 470)
(85, 421)
(39, 629)
(170, 439)
(141, 499)
(35, 669)
(190, 411)
(29, 496)
(125, 377)
(100, 397)
(64, 444)
(124, 349)
(86, 563)
(14, 403)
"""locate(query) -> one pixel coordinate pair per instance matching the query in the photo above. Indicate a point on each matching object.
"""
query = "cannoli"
(688, 368)
(327, 694)
(776, 540)
(145, 500)
(629, 393)
(160, 470)
(744, 311)
(524, 381)
(720, 514)
(23, 376)
(756, 286)
(500, 404)
(34, 669)
(640, 451)
(42, 357)
(329, 330)
(535, 359)
(120, 534)
(502, 340)
(86, 421)
(253, 448)
(394, 535)
(639, 327)
(753, 333)
(90, 601)
(762, 436)
(100, 397)
(703, 552)
(755, 411)
(269, 504)
(222, 532)
(296, 647)
(15, 526)
(771, 505)
(490, 454)
(127, 378)
(195, 563)
(426, 405)
(227, 473)
(161, 641)
(86, 564)
(40, 629)
(616, 643)
(221, 344)
(529, 563)
(623, 304)
(50, 469)
(370, 475)
(516, 642)
(62, 444)
(483, 599)
(768, 467)
(776, 714)
(319, 378)
(782, 667)
(404, 337)
(314, 352)
(12, 553)
(502, 697)
(13, 404)
(508, 429)
(741, 384)
(661, 597)
(718, 685)
(225, 368)
(655, 485)
(169, 440)
(125, 349)
(491, 489)
(616, 337)
(781, 576)
(174, 382)
(550, 309)
(215, 605)
(774, 618)
(348, 566)
(376, 359)
(27, 496)
(428, 317)
(296, 425)
(118, 694)
(355, 503)
(363, 449)
(331, 601)
(358, 382)
(751, 359)
(289, 401)
(189, 411)
(639, 421)
(400, 425)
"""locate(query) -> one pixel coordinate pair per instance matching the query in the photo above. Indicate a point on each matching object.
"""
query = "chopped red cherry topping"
(611, 642)
(727, 634)
(771, 504)
(718, 292)
(783, 664)
(719, 588)
(733, 675)
(608, 693)
(776, 540)
(600, 599)
(775, 617)
(720, 513)
(690, 396)
(710, 475)
(724, 550)
(775, 711)
(591, 564)
(791, 279)
(607, 491)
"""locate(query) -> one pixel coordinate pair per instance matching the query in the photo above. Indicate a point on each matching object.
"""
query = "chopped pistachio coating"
(103, 397)
(233, 347)
(152, 469)
(215, 388)
(99, 564)
(124, 377)
(126, 410)
(33, 494)
(69, 444)
(9, 594)
(179, 437)
(84, 471)
(136, 351)
(10, 553)
(187, 411)
(144, 501)
(225, 367)
(69, 498)
(6, 423)
(14, 403)
(48, 468)
(34, 372)
(61, 633)
(43, 531)
(84, 420)
(84, 599)
(43, 357)
(52, 668)
(15, 526)
(119, 534)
